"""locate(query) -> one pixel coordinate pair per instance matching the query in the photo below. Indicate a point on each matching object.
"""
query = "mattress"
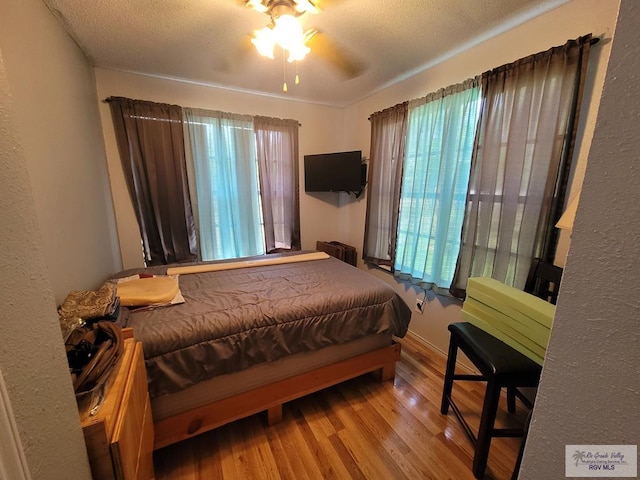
(234, 319)
(224, 386)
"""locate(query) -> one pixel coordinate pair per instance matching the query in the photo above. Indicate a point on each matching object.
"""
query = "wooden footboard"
(271, 397)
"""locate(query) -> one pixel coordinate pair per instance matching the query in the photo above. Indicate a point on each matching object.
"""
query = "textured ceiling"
(206, 40)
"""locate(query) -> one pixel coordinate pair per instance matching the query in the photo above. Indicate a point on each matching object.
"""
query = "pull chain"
(284, 73)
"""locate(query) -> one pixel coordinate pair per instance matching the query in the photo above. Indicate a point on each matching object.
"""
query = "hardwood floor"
(360, 429)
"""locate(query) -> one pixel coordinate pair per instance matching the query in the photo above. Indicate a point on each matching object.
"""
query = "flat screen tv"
(333, 172)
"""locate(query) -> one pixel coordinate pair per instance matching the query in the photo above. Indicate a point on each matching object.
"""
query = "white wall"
(57, 119)
(32, 358)
(553, 28)
(321, 132)
(590, 387)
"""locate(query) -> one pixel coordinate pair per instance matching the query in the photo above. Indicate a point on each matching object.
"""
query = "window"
(485, 170)
(245, 174)
(521, 164)
(208, 184)
(277, 152)
(228, 211)
(440, 137)
(388, 137)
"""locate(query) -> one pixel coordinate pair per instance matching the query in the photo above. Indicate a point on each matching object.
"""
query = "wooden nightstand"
(119, 437)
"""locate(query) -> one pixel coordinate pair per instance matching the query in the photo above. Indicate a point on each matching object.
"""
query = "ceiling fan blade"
(324, 4)
(336, 55)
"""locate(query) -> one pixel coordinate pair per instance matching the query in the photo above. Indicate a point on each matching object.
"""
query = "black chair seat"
(494, 357)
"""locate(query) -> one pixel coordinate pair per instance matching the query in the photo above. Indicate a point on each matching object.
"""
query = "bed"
(256, 333)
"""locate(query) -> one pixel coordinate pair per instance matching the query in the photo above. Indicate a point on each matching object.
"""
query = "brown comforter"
(234, 319)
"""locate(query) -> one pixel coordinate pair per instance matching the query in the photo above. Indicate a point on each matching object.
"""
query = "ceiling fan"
(286, 32)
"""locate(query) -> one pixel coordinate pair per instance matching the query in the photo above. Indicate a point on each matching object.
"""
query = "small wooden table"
(119, 436)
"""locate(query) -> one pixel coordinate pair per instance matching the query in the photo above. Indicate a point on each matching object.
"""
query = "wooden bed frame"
(271, 397)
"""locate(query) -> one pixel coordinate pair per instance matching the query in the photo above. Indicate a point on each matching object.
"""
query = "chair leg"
(448, 376)
(511, 399)
(485, 431)
(516, 468)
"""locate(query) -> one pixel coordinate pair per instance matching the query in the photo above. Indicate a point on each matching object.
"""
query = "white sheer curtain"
(440, 138)
(277, 150)
(524, 138)
(224, 171)
(388, 136)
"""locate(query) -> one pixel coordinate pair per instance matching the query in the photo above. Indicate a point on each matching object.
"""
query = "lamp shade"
(569, 215)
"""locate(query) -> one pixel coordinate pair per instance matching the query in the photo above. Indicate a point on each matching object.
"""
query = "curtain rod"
(592, 42)
(110, 99)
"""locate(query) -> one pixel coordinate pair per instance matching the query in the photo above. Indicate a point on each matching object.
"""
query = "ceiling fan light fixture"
(286, 33)
(297, 52)
(291, 37)
(305, 6)
(264, 41)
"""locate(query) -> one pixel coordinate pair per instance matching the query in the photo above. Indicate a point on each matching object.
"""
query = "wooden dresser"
(119, 437)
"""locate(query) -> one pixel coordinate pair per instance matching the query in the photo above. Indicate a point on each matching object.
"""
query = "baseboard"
(530, 393)
(438, 351)
(426, 343)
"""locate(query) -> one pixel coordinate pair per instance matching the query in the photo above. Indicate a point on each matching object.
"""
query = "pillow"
(145, 291)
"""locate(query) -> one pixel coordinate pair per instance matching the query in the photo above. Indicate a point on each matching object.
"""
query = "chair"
(500, 366)
(544, 280)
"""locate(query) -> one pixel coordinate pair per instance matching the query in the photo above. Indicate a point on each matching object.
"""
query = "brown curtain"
(581, 50)
(521, 162)
(151, 144)
(277, 152)
(388, 136)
